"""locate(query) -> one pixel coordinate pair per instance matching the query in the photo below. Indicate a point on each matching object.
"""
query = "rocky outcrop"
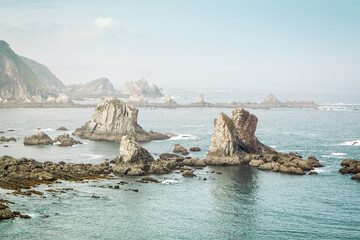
(271, 100)
(142, 87)
(234, 138)
(180, 149)
(61, 129)
(62, 98)
(111, 120)
(5, 139)
(133, 160)
(66, 141)
(195, 149)
(97, 88)
(350, 167)
(234, 143)
(24, 173)
(168, 100)
(5, 212)
(39, 138)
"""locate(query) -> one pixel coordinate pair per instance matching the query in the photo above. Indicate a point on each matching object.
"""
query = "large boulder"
(234, 138)
(39, 138)
(111, 120)
(133, 159)
(180, 149)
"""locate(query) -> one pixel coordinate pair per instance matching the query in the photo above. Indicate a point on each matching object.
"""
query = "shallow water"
(240, 203)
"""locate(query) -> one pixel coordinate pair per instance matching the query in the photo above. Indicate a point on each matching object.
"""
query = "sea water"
(240, 203)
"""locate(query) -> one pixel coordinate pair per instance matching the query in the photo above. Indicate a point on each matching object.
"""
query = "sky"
(223, 44)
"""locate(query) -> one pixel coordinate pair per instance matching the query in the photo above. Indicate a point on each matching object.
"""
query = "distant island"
(25, 83)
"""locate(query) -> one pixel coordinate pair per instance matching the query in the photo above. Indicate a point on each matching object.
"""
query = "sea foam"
(351, 143)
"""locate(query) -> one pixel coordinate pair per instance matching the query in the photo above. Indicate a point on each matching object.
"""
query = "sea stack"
(234, 138)
(133, 160)
(111, 120)
(234, 143)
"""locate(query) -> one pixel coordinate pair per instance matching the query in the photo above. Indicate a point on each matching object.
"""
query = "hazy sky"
(198, 43)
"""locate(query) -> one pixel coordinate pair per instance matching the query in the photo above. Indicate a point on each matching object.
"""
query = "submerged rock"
(62, 129)
(5, 139)
(111, 120)
(39, 138)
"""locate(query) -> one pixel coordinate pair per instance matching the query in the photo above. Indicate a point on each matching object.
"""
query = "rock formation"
(142, 87)
(133, 159)
(97, 88)
(234, 143)
(21, 78)
(180, 149)
(113, 119)
(39, 138)
(351, 167)
(200, 99)
(66, 141)
(22, 173)
(168, 100)
(62, 98)
(234, 138)
(271, 100)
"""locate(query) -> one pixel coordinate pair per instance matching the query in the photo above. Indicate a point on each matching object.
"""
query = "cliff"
(21, 78)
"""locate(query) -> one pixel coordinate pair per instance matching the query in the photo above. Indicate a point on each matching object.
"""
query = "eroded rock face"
(133, 160)
(111, 120)
(39, 138)
(234, 138)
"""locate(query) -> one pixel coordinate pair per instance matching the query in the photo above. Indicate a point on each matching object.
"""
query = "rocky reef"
(17, 174)
(113, 119)
(234, 143)
(351, 167)
(142, 87)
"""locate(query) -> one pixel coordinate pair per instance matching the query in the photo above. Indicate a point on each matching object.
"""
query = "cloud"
(106, 22)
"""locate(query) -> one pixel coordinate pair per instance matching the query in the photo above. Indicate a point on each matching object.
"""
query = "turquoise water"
(240, 203)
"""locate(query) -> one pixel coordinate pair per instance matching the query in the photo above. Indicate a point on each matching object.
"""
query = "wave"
(273, 146)
(183, 136)
(340, 107)
(47, 129)
(94, 156)
(169, 181)
(334, 155)
(351, 143)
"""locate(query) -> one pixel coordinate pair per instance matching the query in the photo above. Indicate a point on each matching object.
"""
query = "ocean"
(240, 203)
